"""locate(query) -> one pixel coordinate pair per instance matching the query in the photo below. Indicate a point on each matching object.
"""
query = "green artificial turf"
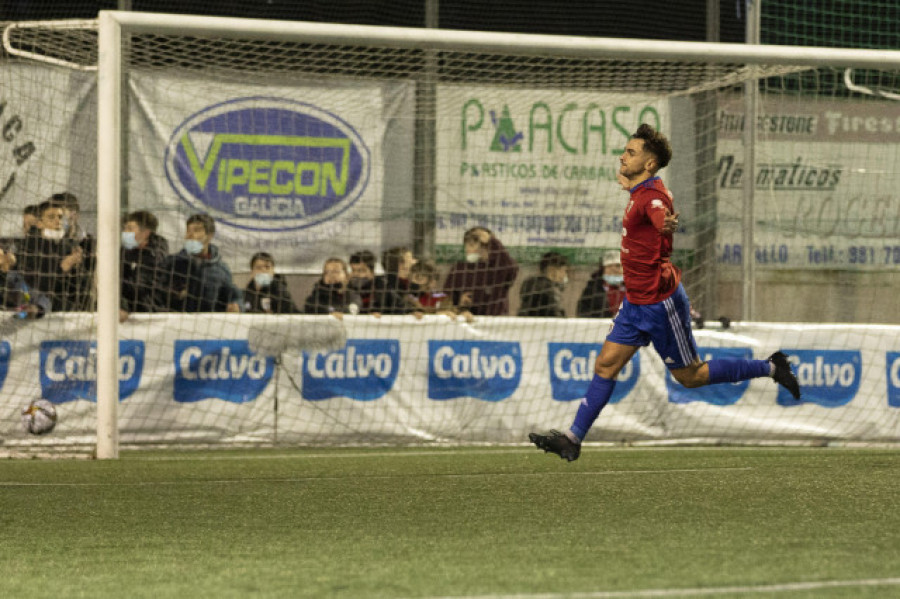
(453, 522)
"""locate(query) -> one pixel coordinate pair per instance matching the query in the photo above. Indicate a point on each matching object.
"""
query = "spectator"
(541, 295)
(481, 282)
(195, 279)
(31, 217)
(267, 292)
(17, 295)
(364, 282)
(142, 257)
(52, 264)
(330, 294)
(393, 286)
(73, 230)
(426, 298)
(71, 211)
(603, 294)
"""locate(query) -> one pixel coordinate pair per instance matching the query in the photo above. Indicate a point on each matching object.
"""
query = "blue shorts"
(667, 324)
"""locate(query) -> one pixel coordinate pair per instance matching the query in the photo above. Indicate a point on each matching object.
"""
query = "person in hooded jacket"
(196, 279)
(141, 257)
(267, 292)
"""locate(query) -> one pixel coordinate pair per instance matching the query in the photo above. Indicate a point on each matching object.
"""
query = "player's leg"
(673, 339)
(619, 347)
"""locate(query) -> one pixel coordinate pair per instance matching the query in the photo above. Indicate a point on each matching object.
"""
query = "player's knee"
(689, 377)
(606, 367)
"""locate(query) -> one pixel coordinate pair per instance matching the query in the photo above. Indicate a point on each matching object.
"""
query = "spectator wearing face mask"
(267, 292)
(541, 295)
(603, 294)
(481, 282)
(141, 257)
(364, 282)
(52, 264)
(196, 279)
(330, 294)
(393, 287)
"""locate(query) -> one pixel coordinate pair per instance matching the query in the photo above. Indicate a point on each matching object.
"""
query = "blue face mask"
(614, 279)
(262, 279)
(193, 246)
(128, 240)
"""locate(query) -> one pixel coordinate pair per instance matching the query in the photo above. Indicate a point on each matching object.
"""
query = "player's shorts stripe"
(684, 346)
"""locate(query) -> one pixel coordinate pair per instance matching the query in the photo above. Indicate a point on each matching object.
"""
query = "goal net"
(337, 156)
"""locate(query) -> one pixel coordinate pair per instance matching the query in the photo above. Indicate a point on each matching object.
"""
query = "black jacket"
(141, 268)
(540, 297)
(194, 284)
(274, 298)
(325, 299)
(39, 264)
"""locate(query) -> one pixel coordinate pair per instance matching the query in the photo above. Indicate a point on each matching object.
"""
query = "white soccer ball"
(39, 417)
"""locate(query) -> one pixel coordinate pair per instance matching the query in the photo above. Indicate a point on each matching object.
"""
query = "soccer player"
(656, 308)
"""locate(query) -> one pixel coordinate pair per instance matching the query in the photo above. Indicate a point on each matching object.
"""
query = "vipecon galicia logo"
(267, 164)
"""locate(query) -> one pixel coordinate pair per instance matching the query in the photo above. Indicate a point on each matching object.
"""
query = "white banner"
(826, 184)
(537, 166)
(401, 380)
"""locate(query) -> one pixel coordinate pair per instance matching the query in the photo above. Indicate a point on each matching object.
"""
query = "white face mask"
(193, 246)
(614, 279)
(128, 240)
(473, 258)
(263, 279)
(53, 233)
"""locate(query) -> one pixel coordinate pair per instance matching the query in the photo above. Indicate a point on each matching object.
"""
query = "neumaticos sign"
(267, 164)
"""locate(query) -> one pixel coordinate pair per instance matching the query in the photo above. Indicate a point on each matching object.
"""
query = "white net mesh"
(340, 162)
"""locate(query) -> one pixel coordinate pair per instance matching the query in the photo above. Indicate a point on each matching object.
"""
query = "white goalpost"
(395, 137)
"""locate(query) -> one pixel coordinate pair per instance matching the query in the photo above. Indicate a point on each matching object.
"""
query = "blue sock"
(597, 396)
(734, 370)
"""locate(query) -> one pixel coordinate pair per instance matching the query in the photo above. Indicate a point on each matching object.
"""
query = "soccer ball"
(39, 417)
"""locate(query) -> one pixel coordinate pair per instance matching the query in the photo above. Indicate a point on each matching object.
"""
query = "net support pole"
(751, 104)
(109, 167)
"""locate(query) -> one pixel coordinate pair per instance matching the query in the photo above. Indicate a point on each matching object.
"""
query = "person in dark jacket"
(267, 292)
(482, 281)
(541, 295)
(364, 282)
(393, 287)
(142, 257)
(196, 279)
(603, 294)
(52, 264)
(330, 294)
(16, 294)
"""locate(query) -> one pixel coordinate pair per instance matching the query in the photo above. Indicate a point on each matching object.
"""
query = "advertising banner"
(402, 380)
(825, 182)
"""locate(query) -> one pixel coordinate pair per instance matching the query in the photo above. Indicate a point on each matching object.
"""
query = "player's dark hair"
(209, 225)
(32, 210)
(473, 234)
(47, 205)
(551, 259)
(144, 219)
(363, 257)
(262, 256)
(656, 143)
(67, 200)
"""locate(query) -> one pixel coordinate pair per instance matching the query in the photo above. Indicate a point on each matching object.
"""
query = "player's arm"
(665, 222)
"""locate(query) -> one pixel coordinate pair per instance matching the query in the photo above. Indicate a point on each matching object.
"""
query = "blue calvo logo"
(717, 395)
(267, 164)
(5, 354)
(69, 369)
(365, 369)
(829, 378)
(572, 368)
(220, 369)
(893, 378)
(488, 370)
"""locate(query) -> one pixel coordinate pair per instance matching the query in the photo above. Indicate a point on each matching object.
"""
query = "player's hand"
(670, 224)
(624, 182)
(123, 315)
(233, 307)
(465, 300)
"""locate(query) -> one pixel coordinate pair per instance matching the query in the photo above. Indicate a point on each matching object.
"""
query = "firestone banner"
(402, 380)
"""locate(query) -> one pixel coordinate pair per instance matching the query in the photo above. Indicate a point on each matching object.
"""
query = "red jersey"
(650, 276)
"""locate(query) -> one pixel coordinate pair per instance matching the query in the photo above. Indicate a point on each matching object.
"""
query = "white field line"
(356, 478)
(786, 587)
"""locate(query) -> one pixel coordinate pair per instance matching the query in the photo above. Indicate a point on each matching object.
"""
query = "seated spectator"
(541, 295)
(604, 293)
(17, 295)
(142, 257)
(74, 231)
(481, 282)
(330, 294)
(425, 297)
(364, 282)
(31, 217)
(267, 292)
(50, 263)
(196, 279)
(393, 286)
(71, 211)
